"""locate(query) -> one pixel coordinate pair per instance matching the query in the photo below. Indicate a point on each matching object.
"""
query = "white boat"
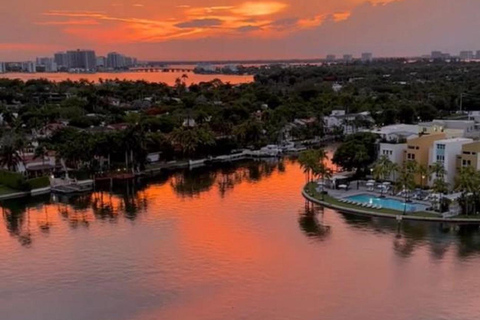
(270, 151)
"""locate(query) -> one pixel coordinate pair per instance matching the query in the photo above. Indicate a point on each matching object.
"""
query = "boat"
(270, 150)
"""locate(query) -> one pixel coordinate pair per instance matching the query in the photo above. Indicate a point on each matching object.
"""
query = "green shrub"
(13, 180)
(38, 183)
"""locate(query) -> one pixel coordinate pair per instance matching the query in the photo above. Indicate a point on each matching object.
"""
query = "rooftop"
(453, 140)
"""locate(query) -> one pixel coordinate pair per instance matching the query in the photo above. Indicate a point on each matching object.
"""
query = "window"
(440, 147)
(467, 152)
(411, 147)
(387, 152)
(440, 158)
(466, 163)
(410, 156)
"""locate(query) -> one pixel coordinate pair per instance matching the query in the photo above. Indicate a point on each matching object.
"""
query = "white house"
(348, 122)
(396, 132)
(446, 152)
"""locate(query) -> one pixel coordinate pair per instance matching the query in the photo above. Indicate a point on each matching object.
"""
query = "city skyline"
(228, 29)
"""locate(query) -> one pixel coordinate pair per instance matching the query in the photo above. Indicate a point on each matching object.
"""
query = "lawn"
(4, 190)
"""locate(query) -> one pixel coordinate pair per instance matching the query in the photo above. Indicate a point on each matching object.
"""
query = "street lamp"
(405, 200)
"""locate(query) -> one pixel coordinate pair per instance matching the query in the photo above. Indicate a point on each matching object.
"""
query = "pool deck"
(341, 194)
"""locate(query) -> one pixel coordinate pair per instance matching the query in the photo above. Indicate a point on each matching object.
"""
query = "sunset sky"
(237, 29)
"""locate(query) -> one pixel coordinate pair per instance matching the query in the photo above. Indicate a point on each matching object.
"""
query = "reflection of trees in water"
(190, 183)
(75, 216)
(17, 217)
(408, 236)
(310, 222)
(469, 240)
(78, 211)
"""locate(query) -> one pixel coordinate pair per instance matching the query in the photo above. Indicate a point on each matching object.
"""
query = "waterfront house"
(349, 123)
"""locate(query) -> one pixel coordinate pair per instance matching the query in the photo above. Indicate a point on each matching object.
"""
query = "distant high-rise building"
(331, 58)
(3, 67)
(115, 60)
(82, 59)
(129, 62)
(477, 55)
(28, 66)
(466, 55)
(60, 58)
(347, 57)
(436, 55)
(47, 64)
(367, 57)
(101, 61)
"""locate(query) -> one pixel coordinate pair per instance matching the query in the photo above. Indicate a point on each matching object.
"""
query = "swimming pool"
(387, 202)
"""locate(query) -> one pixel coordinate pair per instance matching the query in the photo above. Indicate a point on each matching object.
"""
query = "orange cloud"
(257, 19)
(259, 8)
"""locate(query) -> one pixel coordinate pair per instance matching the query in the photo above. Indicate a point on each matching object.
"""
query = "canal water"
(236, 242)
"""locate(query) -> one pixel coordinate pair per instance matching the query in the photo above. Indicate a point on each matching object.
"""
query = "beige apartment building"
(419, 150)
(470, 156)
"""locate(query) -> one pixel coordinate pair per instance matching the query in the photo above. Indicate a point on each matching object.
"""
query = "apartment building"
(420, 148)
(470, 156)
(452, 128)
(445, 152)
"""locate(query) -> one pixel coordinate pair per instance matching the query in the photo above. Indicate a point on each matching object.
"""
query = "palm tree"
(395, 168)
(324, 172)
(382, 169)
(10, 156)
(424, 172)
(313, 163)
(438, 172)
(406, 178)
(308, 163)
(467, 181)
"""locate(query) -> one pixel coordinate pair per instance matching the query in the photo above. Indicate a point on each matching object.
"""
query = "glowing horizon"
(237, 29)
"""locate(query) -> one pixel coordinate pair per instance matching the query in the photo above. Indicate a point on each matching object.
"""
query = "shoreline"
(398, 217)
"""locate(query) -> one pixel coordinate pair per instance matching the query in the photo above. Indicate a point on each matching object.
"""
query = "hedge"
(38, 183)
(18, 182)
(13, 180)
